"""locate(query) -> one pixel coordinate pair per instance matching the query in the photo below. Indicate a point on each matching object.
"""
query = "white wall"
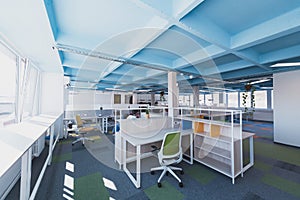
(287, 108)
(52, 93)
(92, 99)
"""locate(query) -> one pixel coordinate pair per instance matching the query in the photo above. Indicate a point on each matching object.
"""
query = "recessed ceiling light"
(290, 64)
(259, 81)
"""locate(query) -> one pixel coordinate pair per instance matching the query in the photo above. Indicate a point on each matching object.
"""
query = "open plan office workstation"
(224, 74)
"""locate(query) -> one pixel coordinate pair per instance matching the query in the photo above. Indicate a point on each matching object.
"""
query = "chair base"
(83, 139)
(165, 170)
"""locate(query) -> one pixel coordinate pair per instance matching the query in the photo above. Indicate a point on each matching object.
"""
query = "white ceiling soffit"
(25, 25)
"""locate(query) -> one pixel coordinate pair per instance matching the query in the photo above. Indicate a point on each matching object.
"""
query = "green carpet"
(278, 152)
(61, 158)
(262, 166)
(201, 173)
(61, 142)
(282, 184)
(90, 187)
(167, 191)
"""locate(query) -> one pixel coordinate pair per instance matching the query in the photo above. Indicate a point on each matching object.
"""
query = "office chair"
(170, 153)
(82, 131)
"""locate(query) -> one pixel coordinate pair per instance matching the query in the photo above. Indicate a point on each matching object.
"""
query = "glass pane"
(208, 99)
(30, 92)
(7, 82)
(260, 99)
(201, 99)
(216, 99)
(233, 99)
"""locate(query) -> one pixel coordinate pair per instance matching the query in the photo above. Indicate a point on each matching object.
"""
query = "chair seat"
(86, 129)
(166, 162)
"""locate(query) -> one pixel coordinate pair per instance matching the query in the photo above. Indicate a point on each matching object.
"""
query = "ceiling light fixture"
(266, 88)
(290, 64)
(114, 89)
(216, 88)
(259, 81)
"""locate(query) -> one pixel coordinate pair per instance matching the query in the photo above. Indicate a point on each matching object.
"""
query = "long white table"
(147, 138)
(16, 142)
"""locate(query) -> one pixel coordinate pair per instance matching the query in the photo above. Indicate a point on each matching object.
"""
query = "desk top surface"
(9, 155)
(12, 146)
(16, 139)
(27, 129)
(149, 137)
(42, 120)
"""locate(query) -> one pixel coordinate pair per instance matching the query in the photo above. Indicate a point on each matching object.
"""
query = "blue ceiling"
(131, 45)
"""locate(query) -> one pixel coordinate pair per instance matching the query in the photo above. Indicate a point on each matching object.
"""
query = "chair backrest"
(171, 146)
(79, 121)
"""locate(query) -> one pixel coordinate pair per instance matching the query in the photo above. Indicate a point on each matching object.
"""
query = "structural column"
(134, 98)
(269, 99)
(196, 96)
(172, 92)
(152, 98)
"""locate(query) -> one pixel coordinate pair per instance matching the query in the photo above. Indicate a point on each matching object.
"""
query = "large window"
(30, 102)
(184, 100)
(216, 99)
(7, 83)
(201, 99)
(233, 99)
(261, 99)
(208, 99)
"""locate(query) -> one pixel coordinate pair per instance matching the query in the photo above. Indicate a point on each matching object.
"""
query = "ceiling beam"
(277, 27)
(282, 54)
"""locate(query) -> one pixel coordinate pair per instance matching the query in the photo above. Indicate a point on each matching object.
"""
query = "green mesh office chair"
(170, 153)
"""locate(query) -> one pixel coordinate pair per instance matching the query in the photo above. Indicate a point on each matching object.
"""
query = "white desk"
(16, 142)
(147, 138)
(12, 147)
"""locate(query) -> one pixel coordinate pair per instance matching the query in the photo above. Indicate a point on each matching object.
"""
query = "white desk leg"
(50, 130)
(138, 166)
(26, 175)
(124, 154)
(136, 181)
(251, 151)
(191, 148)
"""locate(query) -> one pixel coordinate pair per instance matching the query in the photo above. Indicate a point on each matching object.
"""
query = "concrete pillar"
(269, 99)
(152, 98)
(134, 98)
(172, 92)
(226, 101)
(196, 96)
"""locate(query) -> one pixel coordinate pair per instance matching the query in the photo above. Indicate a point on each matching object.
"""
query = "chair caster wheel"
(181, 172)
(152, 172)
(72, 144)
(180, 184)
(159, 185)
